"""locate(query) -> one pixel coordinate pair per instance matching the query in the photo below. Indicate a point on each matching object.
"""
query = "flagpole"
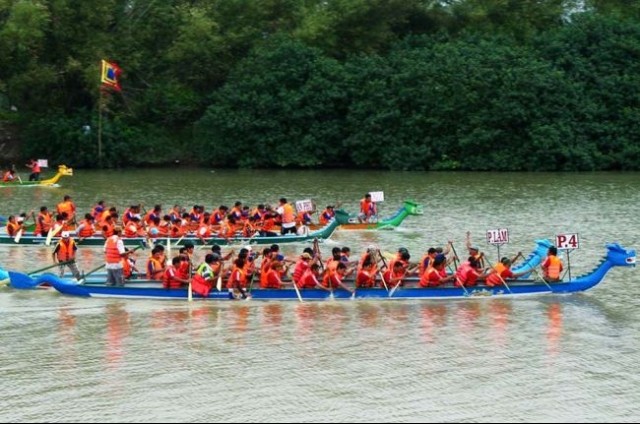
(100, 130)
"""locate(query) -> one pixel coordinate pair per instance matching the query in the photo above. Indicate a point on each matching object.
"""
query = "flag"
(110, 75)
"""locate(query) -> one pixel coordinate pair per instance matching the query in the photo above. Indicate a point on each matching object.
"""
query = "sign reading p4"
(567, 241)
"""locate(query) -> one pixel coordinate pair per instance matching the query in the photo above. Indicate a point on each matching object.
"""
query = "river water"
(552, 358)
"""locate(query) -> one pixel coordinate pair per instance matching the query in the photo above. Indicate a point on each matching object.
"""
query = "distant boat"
(63, 171)
(350, 222)
(615, 256)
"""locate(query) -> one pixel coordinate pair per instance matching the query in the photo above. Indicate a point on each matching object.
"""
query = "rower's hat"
(65, 234)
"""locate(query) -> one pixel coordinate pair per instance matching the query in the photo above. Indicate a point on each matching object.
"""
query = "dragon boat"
(346, 220)
(350, 221)
(321, 233)
(63, 171)
(615, 256)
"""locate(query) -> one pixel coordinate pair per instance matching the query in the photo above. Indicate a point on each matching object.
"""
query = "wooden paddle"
(18, 235)
(21, 230)
(384, 263)
(295, 286)
(52, 232)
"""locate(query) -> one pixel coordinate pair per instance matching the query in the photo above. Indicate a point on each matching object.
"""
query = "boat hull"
(154, 290)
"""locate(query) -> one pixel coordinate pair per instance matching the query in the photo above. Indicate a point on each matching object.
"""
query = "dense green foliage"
(390, 84)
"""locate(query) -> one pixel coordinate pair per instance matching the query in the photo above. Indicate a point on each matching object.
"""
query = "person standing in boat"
(35, 170)
(552, 265)
(114, 251)
(67, 206)
(368, 209)
(288, 217)
(65, 254)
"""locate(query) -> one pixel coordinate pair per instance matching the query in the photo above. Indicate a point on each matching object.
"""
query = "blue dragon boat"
(615, 256)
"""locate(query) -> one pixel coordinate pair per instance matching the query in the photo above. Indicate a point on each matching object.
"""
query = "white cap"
(65, 234)
(20, 219)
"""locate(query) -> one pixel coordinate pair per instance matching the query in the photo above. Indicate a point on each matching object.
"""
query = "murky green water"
(544, 358)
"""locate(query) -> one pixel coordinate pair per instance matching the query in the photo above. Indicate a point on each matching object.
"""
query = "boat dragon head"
(619, 256)
(65, 170)
(413, 208)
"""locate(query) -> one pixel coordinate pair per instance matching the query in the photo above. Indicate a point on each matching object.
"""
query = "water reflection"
(368, 314)
(499, 311)
(466, 316)
(236, 323)
(433, 316)
(67, 338)
(554, 329)
(118, 330)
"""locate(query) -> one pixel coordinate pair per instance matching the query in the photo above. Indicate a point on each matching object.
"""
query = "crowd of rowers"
(270, 269)
(225, 222)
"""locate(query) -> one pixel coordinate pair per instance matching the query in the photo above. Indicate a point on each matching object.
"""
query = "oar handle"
(49, 267)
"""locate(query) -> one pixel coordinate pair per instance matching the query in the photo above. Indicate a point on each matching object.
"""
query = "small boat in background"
(351, 222)
(63, 171)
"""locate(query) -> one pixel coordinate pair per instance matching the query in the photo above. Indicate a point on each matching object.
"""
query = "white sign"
(44, 163)
(377, 196)
(567, 241)
(304, 205)
(499, 236)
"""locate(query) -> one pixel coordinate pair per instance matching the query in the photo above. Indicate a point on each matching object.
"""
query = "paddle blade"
(22, 281)
(18, 236)
(52, 232)
(190, 293)
(219, 283)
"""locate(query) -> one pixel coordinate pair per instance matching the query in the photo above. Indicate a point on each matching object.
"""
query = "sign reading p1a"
(499, 236)
(567, 241)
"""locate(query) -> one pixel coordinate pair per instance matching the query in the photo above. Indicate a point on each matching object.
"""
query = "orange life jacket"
(495, 279)
(154, 269)
(12, 228)
(66, 251)
(554, 269)
(288, 215)
(87, 230)
(111, 252)
(43, 223)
